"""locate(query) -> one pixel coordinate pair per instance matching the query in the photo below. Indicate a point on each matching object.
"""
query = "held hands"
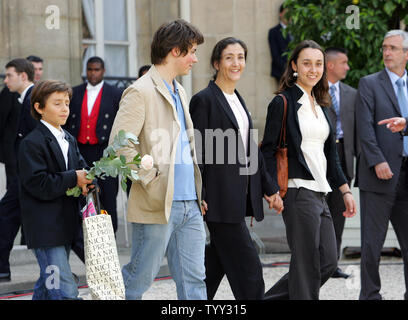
(83, 181)
(394, 124)
(350, 204)
(275, 202)
(351, 208)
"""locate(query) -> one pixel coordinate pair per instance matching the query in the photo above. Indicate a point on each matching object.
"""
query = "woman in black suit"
(234, 175)
(314, 170)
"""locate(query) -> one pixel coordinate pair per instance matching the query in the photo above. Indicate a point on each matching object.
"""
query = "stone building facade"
(58, 31)
(29, 27)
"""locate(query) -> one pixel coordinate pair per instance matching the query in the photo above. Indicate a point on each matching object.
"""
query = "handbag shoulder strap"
(282, 137)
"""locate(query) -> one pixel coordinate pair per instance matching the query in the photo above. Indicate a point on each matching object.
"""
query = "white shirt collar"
(283, 25)
(56, 133)
(394, 77)
(96, 88)
(336, 85)
(23, 94)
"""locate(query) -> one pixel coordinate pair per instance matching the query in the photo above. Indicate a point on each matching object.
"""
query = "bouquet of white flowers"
(111, 165)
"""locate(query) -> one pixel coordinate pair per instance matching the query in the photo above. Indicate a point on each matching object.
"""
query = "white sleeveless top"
(314, 133)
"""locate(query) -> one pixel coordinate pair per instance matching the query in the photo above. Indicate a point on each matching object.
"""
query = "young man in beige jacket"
(164, 204)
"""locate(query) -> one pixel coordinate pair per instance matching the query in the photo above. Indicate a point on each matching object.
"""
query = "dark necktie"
(336, 107)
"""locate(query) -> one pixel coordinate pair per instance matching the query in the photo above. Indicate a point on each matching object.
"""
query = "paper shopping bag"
(103, 271)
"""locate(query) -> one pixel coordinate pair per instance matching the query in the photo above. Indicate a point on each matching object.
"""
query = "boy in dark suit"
(50, 164)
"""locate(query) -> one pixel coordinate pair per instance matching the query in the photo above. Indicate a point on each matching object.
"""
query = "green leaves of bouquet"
(111, 165)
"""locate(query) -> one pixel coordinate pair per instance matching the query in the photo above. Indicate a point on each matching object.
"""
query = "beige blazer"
(147, 110)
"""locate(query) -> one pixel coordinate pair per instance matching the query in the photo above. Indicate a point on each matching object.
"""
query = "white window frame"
(99, 42)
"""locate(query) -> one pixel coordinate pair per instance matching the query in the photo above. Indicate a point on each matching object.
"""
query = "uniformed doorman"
(92, 110)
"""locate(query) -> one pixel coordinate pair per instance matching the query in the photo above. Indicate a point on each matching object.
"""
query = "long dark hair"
(321, 89)
(219, 48)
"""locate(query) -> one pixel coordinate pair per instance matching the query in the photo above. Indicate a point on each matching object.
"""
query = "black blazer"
(9, 113)
(277, 46)
(224, 188)
(49, 217)
(26, 122)
(109, 107)
(296, 161)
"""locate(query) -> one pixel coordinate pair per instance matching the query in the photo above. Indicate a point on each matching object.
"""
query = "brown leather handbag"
(282, 154)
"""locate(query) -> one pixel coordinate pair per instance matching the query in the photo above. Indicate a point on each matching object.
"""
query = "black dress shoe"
(340, 274)
(5, 277)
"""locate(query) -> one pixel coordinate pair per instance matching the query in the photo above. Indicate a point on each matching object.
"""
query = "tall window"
(109, 31)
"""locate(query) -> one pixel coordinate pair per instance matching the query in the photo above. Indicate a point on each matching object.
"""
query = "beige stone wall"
(248, 20)
(23, 32)
(150, 15)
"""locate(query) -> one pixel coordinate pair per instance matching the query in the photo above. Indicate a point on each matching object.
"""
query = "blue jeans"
(56, 281)
(182, 240)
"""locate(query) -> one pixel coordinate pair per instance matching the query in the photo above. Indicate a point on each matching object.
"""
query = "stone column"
(27, 28)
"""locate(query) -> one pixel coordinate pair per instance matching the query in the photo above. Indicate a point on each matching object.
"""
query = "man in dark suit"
(278, 45)
(92, 110)
(9, 111)
(383, 161)
(9, 115)
(342, 117)
(19, 79)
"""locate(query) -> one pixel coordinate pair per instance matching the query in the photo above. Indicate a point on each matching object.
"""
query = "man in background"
(382, 172)
(278, 45)
(92, 110)
(342, 118)
(19, 80)
(38, 67)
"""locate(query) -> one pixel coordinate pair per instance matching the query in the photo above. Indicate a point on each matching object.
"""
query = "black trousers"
(231, 252)
(336, 203)
(312, 242)
(109, 186)
(10, 221)
(377, 210)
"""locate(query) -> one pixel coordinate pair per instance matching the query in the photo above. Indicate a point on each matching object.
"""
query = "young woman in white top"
(314, 170)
